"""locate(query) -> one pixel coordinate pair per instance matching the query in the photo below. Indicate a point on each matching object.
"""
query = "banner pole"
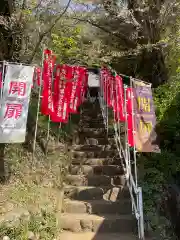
(2, 80)
(59, 129)
(127, 152)
(38, 107)
(48, 134)
(107, 106)
(70, 122)
(126, 136)
(49, 119)
(133, 126)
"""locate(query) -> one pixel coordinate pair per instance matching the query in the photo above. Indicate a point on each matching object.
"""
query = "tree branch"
(42, 35)
(120, 36)
(22, 9)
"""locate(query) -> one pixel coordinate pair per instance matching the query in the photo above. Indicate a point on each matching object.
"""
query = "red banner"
(77, 88)
(130, 119)
(104, 77)
(119, 99)
(110, 90)
(81, 86)
(37, 77)
(56, 91)
(61, 94)
(68, 91)
(114, 96)
(74, 89)
(84, 86)
(47, 78)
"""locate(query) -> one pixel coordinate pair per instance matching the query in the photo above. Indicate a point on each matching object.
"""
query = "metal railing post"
(141, 217)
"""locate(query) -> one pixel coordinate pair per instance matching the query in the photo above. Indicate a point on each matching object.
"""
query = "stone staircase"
(97, 204)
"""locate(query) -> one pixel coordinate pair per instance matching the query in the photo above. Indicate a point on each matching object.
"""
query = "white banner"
(15, 103)
(93, 80)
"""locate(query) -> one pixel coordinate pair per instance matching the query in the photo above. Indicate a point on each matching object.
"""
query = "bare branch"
(22, 8)
(120, 36)
(48, 31)
(37, 6)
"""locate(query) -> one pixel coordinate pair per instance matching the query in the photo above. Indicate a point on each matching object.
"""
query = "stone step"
(97, 131)
(89, 124)
(96, 193)
(95, 141)
(91, 108)
(92, 123)
(92, 111)
(110, 170)
(97, 207)
(95, 223)
(91, 141)
(99, 123)
(81, 160)
(88, 147)
(96, 134)
(94, 119)
(96, 236)
(93, 148)
(92, 154)
(95, 180)
(90, 105)
(91, 115)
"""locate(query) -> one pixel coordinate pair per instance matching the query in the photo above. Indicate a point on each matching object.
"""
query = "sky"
(77, 6)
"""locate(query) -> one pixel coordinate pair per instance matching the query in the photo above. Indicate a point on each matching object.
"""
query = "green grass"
(43, 226)
(35, 186)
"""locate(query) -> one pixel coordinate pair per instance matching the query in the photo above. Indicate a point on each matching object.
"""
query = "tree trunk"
(148, 66)
(152, 68)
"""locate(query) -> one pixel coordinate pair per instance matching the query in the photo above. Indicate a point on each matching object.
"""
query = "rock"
(14, 217)
(71, 224)
(6, 238)
(31, 236)
(52, 145)
(6, 207)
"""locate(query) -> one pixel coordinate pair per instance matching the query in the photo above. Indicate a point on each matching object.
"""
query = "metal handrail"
(124, 153)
